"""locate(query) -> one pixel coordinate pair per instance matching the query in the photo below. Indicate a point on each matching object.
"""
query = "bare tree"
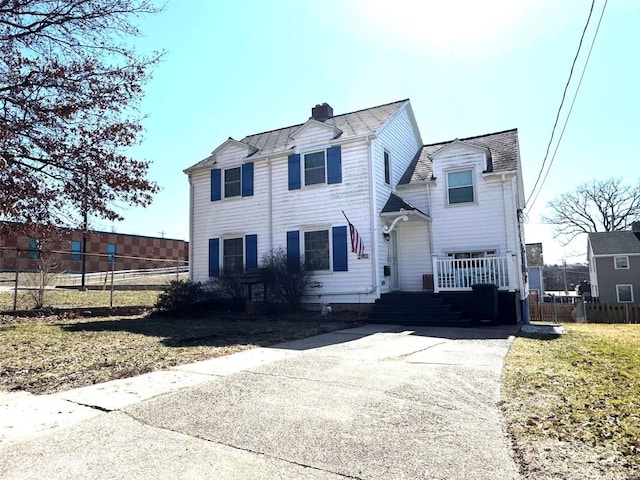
(37, 283)
(595, 206)
(70, 88)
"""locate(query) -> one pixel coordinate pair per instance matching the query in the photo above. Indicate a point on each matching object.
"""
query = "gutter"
(191, 215)
(374, 238)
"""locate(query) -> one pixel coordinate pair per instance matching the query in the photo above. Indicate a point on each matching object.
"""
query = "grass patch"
(62, 298)
(50, 354)
(572, 403)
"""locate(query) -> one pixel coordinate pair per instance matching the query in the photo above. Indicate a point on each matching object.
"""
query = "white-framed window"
(624, 293)
(460, 187)
(472, 254)
(387, 168)
(316, 250)
(315, 168)
(232, 255)
(232, 182)
(621, 262)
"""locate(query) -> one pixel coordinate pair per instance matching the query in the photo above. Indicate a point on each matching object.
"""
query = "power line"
(562, 103)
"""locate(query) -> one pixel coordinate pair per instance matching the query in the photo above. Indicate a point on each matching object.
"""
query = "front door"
(393, 260)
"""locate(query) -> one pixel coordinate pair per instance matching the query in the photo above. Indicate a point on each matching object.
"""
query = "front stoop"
(417, 309)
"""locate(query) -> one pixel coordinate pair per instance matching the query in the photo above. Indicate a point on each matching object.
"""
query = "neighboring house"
(130, 252)
(535, 270)
(435, 217)
(614, 265)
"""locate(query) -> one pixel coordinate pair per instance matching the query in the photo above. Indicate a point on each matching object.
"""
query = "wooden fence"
(612, 312)
(551, 312)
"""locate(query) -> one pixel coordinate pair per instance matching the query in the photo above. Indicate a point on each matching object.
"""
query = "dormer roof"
(501, 148)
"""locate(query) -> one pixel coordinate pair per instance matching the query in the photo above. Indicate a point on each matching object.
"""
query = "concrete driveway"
(375, 402)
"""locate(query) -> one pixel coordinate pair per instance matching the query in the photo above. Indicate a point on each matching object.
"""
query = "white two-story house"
(440, 217)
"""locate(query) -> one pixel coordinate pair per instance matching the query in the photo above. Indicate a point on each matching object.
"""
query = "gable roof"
(353, 124)
(502, 147)
(615, 243)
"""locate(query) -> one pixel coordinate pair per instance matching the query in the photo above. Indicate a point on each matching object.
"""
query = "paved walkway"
(375, 402)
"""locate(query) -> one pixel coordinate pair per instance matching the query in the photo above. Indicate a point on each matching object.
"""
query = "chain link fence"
(39, 278)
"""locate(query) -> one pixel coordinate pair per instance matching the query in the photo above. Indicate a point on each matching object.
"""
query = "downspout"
(190, 229)
(504, 211)
(375, 286)
(431, 222)
(270, 203)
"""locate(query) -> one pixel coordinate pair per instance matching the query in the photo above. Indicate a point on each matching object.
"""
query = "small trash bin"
(485, 303)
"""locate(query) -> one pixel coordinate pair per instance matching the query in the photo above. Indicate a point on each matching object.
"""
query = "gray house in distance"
(614, 265)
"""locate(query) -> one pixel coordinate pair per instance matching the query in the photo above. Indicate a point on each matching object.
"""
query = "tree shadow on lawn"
(221, 329)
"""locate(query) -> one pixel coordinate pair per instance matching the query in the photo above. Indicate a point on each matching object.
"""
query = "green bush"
(181, 296)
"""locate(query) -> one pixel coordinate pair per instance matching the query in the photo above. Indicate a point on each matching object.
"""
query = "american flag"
(357, 245)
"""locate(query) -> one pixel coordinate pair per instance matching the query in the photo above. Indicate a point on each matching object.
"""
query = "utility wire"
(566, 87)
(564, 127)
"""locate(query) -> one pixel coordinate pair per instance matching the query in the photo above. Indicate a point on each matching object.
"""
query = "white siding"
(414, 255)
(398, 137)
(488, 223)
(226, 218)
(320, 207)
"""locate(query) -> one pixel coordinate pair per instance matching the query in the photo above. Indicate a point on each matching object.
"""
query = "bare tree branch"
(596, 206)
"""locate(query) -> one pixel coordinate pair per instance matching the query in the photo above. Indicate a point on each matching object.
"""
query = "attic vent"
(322, 112)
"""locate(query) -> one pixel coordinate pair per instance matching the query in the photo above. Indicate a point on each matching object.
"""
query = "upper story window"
(460, 187)
(387, 168)
(316, 250)
(232, 182)
(232, 255)
(621, 262)
(314, 168)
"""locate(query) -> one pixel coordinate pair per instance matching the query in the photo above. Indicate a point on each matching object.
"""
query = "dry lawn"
(63, 298)
(50, 354)
(572, 403)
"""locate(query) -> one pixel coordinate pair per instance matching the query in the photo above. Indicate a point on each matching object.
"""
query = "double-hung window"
(624, 293)
(621, 262)
(460, 187)
(232, 182)
(232, 255)
(316, 250)
(314, 168)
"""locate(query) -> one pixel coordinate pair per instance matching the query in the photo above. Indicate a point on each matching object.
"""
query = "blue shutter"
(340, 263)
(293, 251)
(216, 184)
(214, 257)
(294, 172)
(251, 251)
(247, 179)
(334, 165)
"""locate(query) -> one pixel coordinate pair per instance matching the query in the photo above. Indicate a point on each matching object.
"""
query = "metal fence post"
(113, 266)
(15, 286)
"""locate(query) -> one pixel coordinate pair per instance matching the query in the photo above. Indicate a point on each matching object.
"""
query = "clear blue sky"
(237, 67)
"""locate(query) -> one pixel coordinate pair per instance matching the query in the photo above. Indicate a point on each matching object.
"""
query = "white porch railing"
(451, 274)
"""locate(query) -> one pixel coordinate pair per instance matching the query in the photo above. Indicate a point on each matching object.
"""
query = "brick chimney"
(322, 112)
(635, 226)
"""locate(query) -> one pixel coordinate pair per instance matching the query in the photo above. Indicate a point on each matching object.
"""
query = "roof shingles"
(615, 243)
(503, 148)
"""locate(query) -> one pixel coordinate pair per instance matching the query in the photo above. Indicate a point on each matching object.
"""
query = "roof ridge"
(335, 116)
(471, 138)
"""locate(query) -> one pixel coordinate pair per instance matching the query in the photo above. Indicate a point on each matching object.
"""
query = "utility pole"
(85, 227)
(564, 276)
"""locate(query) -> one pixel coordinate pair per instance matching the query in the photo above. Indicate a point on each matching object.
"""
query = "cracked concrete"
(367, 403)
